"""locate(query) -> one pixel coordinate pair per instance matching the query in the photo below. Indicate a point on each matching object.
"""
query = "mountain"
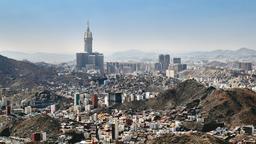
(240, 54)
(39, 57)
(137, 55)
(38, 123)
(197, 138)
(232, 106)
(18, 74)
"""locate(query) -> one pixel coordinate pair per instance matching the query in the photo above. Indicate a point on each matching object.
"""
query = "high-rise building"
(94, 100)
(99, 62)
(123, 67)
(88, 40)
(91, 59)
(161, 58)
(166, 61)
(176, 60)
(163, 62)
(81, 59)
(158, 66)
(115, 131)
(76, 99)
(88, 59)
(246, 66)
(170, 73)
(114, 98)
(176, 67)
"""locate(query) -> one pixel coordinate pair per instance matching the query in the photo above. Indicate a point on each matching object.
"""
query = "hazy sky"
(57, 26)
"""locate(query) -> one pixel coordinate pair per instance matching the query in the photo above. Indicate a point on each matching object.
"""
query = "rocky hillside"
(187, 139)
(22, 73)
(39, 123)
(233, 106)
(186, 92)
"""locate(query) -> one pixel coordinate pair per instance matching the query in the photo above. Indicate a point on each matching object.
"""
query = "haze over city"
(174, 26)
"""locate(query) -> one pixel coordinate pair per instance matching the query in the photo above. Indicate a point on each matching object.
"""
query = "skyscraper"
(76, 99)
(88, 59)
(176, 60)
(166, 61)
(161, 58)
(247, 66)
(88, 40)
(81, 59)
(163, 62)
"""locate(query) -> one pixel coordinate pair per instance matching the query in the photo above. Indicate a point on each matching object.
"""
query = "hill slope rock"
(187, 139)
(39, 123)
(22, 73)
(234, 107)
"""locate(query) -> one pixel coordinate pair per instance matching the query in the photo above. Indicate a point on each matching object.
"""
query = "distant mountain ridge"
(39, 57)
(219, 51)
(137, 55)
(239, 54)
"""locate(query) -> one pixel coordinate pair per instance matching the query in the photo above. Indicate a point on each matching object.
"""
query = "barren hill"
(22, 73)
(187, 139)
(233, 106)
(39, 123)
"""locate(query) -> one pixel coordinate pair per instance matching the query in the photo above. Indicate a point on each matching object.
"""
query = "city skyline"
(127, 71)
(168, 26)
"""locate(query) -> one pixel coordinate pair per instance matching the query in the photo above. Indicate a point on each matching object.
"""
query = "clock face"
(88, 34)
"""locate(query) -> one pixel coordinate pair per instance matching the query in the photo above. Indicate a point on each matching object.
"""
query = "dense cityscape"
(127, 72)
(93, 101)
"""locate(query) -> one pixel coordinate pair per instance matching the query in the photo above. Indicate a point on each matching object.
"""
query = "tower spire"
(88, 26)
(88, 39)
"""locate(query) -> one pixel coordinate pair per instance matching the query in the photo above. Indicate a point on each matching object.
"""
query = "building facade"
(163, 62)
(88, 59)
(246, 66)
